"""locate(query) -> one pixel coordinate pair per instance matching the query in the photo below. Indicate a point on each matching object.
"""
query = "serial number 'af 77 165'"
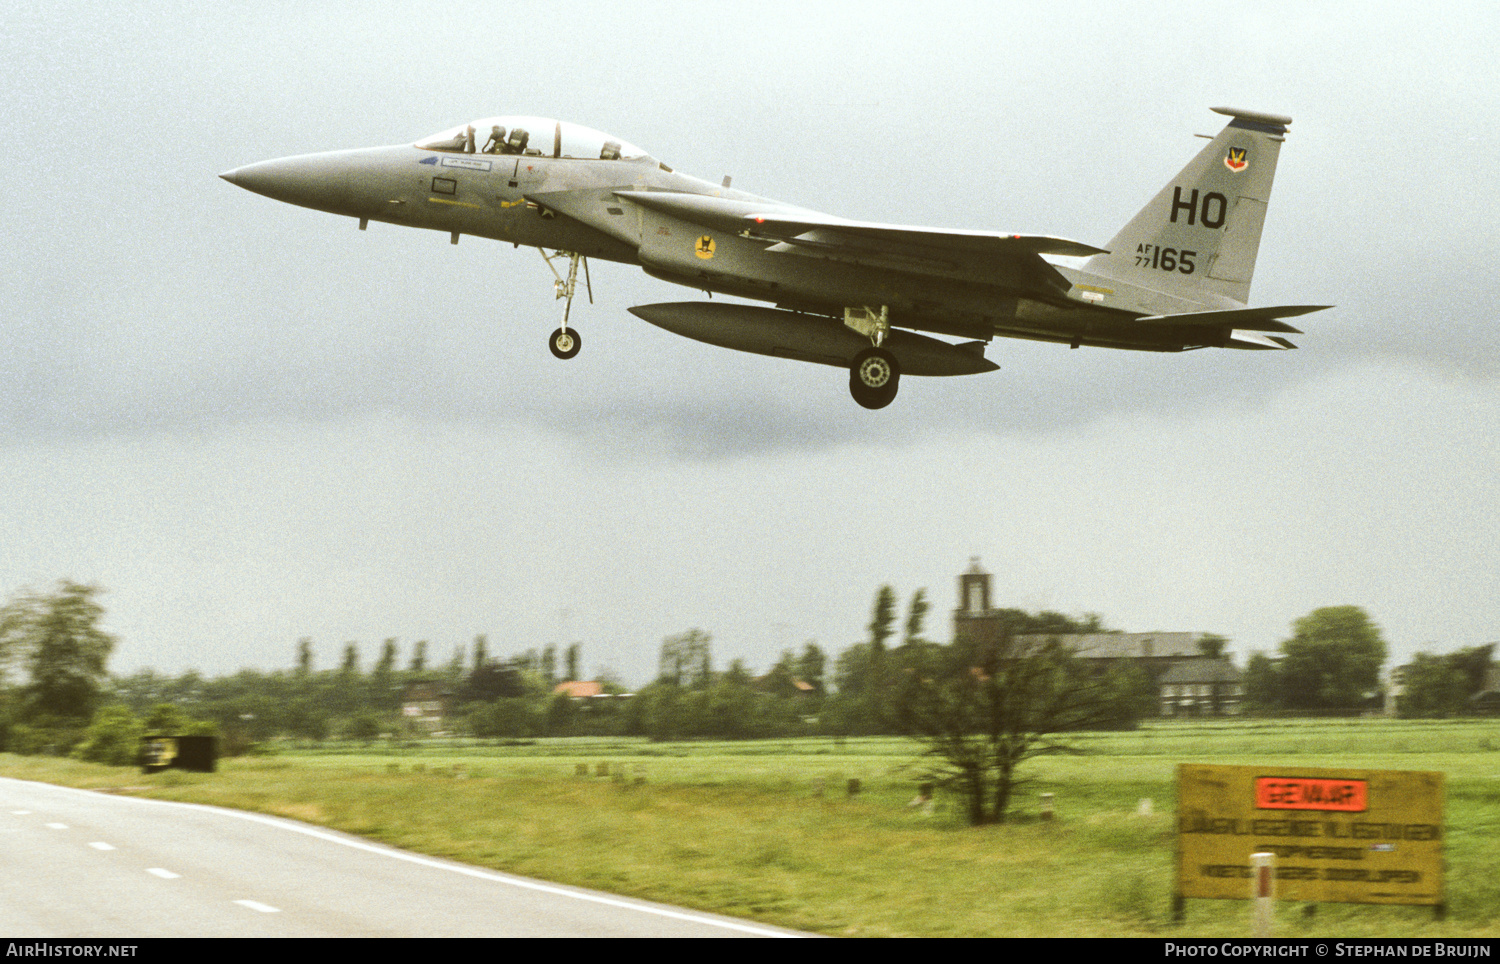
(852, 294)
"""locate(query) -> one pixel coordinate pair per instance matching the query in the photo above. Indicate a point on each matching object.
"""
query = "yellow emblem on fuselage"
(704, 247)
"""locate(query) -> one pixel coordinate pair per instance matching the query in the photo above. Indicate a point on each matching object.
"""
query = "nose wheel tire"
(874, 377)
(565, 343)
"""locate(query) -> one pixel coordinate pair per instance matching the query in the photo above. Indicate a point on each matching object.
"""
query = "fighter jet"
(852, 294)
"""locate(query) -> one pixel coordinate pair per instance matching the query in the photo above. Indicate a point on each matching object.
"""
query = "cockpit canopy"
(532, 136)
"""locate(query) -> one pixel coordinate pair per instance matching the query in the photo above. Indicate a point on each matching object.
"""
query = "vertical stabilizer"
(1200, 234)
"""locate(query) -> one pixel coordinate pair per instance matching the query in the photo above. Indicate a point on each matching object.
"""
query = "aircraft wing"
(1000, 258)
(1244, 319)
(1010, 259)
(708, 210)
(872, 235)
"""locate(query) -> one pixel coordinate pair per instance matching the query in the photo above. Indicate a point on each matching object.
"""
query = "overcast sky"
(251, 422)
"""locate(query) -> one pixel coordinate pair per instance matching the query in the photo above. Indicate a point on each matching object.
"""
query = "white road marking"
(624, 903)
(58, 826)
(499, 878)
(257, 905)
(162, 873)
(101, 845)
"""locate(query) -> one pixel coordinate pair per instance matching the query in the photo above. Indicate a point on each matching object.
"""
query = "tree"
(782, 679)
(57, 637)
(383, 695)
(113, 737)
(493, 681)
(1263, 683)
(304, 657)
(348, 692)
(1474, 665)
(611, 682)
(850, 710)
(363, 726)
(560, 713)
(983, 713)
(851, 671)
(574, 656)
(166, 719)
(306, 719)
(1333, 659)
(1212, 645)
(509, 717)
(656, 711)
(1048, 623)
(882, 617)
(1439, 686)
(1431, 687)
(916, 616)
(686, 660)
(140, 690)
(810, 666)
(251, 706)
(738, 674)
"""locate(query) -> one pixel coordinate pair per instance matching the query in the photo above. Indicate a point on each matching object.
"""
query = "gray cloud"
(241, 414)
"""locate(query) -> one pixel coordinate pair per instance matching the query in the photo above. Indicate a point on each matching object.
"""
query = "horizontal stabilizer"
(1254, 342)
(1248, 319)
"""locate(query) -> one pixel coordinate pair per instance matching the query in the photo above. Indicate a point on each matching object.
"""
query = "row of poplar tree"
(67, 701)
(57, 686)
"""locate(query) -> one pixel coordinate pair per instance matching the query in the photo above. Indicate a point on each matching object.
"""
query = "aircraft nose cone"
(361, 183)
(312, 180)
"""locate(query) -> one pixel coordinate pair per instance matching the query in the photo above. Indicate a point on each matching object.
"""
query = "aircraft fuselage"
(506, 198)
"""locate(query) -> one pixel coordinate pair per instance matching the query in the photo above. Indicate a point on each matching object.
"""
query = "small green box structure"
(199, 754)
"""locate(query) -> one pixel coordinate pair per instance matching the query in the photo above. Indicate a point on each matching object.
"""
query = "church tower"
(972, 620)
(976, 622)
(973, 590)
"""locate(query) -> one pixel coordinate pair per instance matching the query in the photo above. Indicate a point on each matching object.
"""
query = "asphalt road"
(83, 864)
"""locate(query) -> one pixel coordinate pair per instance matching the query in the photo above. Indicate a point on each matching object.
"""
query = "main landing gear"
(874, 374)
(565, 343)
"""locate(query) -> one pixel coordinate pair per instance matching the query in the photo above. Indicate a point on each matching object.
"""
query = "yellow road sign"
(1339, 836)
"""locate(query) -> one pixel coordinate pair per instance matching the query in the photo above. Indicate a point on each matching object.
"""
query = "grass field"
(766, 830)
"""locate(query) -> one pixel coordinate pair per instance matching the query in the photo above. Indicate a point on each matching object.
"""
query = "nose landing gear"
(565, 343)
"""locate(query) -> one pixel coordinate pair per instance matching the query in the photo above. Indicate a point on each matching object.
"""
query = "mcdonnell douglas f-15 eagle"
(847, 293)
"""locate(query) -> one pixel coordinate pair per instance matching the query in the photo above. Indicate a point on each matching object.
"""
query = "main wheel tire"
(565, 343)
(874, 377)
